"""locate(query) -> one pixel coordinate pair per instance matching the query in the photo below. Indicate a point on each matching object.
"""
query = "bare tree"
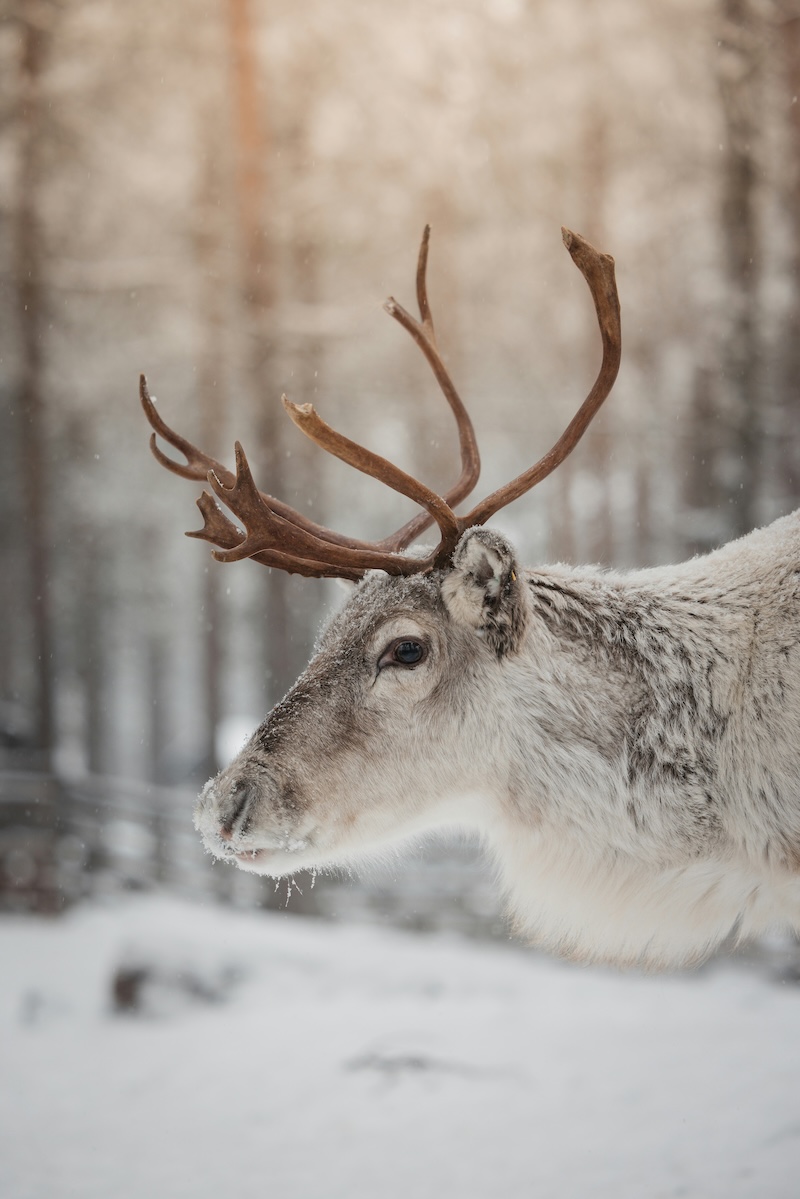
(211, 383)
(787, 37)
(736, 469)
(258, 293)
(35, 25)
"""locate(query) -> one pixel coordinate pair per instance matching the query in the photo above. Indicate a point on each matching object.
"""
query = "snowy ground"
(273, 1055)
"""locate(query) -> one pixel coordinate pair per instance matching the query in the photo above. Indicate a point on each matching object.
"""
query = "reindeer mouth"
(256, 858)
(249, 857)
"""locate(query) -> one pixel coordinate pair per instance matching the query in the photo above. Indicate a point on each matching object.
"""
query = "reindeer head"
(352, 758)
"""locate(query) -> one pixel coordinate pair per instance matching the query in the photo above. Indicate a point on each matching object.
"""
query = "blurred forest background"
(221, 193)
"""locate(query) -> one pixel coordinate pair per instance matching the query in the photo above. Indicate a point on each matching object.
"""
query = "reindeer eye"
(409, 653)
(403, 652)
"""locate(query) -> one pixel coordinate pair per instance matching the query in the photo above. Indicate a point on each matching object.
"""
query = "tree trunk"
(252, 155)
(737, 468)
(307, 358)
(31, 419)
(94, 620)
(597, 453)
(212, 403)
(787, 423)
(703, 499)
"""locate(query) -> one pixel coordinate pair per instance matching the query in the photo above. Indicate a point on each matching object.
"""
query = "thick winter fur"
(628, 745)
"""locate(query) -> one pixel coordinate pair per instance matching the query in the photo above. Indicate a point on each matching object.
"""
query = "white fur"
(628, 745)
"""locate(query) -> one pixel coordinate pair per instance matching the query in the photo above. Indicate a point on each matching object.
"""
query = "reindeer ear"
(484, 590)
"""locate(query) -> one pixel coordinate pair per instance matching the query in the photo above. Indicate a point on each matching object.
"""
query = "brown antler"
(279, 536)
(216, 526)
(598, 271)
(424, 336)
(270, 523)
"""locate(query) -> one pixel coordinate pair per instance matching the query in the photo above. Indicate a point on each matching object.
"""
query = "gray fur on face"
(628, 745)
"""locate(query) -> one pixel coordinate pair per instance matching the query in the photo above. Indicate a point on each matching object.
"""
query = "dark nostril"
(239, 797)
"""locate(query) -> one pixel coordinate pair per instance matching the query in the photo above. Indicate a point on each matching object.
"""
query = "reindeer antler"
(279, 536)
(598, 271)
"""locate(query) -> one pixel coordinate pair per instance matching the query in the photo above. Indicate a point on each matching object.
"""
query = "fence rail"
(62, 839)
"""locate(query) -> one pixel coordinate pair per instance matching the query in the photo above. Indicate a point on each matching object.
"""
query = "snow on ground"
(273, 1055)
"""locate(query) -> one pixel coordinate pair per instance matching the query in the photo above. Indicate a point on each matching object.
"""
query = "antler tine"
(422, 284)
(197, 467)
(216, 527)
(438, 509)
(598, 271)
(268, 533)
(377, 467)
(223, 533)
(276, 534)
(423, 334)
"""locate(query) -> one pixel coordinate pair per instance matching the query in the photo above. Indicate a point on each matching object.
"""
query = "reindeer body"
(628, 745)
(671, 751)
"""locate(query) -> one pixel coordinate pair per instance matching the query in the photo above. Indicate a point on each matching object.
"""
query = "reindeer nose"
(240, 795)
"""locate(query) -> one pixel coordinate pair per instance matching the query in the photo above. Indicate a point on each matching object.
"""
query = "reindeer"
(627, 745)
